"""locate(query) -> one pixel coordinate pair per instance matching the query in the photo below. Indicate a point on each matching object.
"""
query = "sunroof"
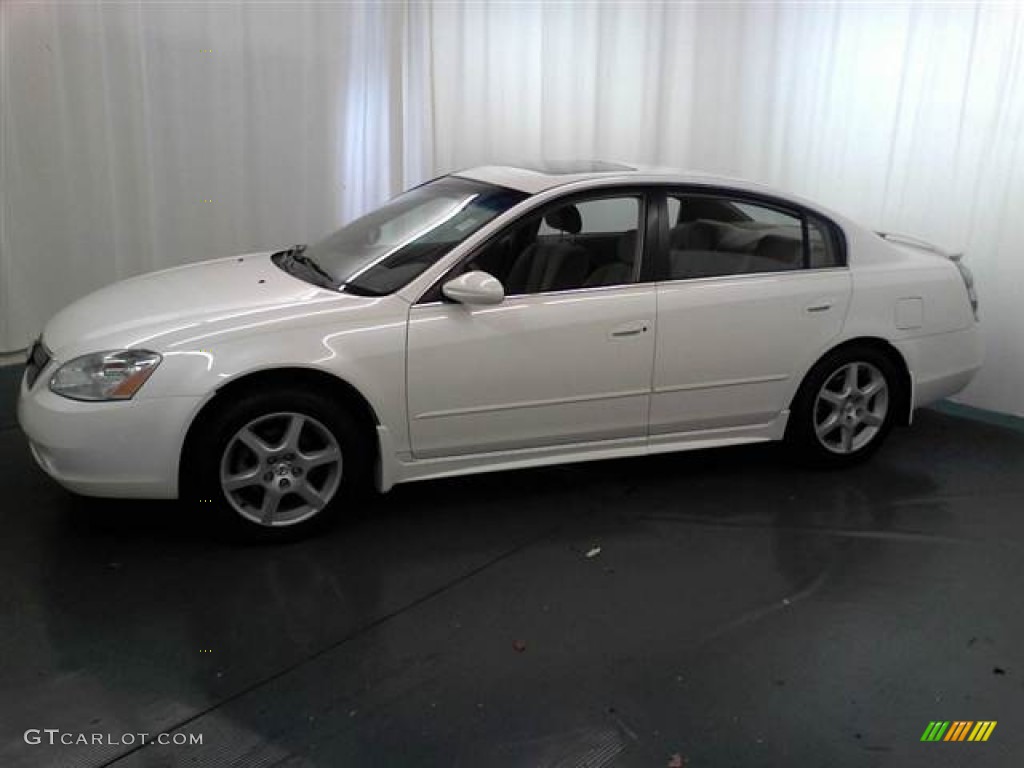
(569, 167)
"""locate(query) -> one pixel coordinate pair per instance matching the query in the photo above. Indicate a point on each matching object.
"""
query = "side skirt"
(395, 470)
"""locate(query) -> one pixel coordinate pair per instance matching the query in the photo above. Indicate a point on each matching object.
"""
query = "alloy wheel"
(851, 407)
(281, 469)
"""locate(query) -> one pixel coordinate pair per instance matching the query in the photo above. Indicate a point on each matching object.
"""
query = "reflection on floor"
(707, 609)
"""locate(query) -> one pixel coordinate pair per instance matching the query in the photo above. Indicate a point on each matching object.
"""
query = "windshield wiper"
(297, 256)
(361, 290)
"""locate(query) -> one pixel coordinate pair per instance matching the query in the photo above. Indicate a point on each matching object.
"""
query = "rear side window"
(715, 236)
(825, 250)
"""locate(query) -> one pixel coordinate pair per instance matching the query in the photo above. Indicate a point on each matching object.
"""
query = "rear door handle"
(820, 306)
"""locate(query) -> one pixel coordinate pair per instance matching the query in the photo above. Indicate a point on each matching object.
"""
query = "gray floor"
(740, 612)
(10, 378)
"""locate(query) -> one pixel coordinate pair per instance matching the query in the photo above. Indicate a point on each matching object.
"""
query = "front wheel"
(845, 407)
(278, 465)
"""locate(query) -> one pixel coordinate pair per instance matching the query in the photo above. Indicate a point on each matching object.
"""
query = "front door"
(565, 358)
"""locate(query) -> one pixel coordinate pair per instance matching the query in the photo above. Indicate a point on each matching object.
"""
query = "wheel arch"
(904, 402)
(268, 378)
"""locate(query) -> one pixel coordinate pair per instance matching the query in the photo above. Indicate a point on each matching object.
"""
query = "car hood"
(151, 310)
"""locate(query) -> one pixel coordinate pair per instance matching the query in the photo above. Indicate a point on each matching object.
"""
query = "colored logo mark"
(958, 730)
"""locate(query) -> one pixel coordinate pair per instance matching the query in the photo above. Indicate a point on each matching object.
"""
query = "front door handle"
(819, 306)
(631, 329)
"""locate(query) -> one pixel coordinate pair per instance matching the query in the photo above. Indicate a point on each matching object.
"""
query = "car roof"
(539, 178)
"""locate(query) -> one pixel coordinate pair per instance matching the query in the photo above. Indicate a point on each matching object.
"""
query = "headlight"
(113, 375)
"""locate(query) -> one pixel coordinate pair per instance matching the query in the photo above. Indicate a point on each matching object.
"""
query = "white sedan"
(492, 319)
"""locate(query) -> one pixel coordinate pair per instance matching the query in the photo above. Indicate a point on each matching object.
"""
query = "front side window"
(583, 244)
(385, 249)
(713, 236)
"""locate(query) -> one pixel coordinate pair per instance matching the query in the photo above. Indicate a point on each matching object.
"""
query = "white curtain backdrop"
(120, 119)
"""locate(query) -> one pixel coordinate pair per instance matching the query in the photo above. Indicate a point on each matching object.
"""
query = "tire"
(277, 466)
(845, 407)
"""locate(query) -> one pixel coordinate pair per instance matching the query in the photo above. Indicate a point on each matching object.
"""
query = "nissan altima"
(494, 319)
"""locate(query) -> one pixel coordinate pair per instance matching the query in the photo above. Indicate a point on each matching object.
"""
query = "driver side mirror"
(475, 287)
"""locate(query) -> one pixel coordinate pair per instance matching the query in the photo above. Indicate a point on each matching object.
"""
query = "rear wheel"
(278, 465)
(845, 407)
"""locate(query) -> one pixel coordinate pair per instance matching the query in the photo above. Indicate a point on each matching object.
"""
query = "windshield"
(385, 249)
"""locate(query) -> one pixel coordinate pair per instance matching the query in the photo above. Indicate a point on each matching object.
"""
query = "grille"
(38, 359)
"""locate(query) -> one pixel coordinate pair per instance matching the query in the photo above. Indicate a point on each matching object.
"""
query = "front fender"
(366, 350)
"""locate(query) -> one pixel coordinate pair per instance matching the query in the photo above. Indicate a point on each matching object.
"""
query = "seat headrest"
(565, 219)
(694, 236)
(625, 251)
(782, 249)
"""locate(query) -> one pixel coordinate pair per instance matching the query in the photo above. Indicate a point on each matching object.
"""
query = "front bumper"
(126, 449)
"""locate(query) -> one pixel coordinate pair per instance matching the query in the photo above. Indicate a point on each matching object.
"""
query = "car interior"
(714, 237)
(572, 246)
(594, 243)
(710, 237)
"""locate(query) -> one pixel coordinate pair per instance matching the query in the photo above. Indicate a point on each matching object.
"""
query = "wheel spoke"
(847, 438)
(310, 496)
(872, 419)
(850, 380)
(828, 424)
(291, 436)
(254, 443)
(321, 457)
(242, 479)
(833, 398)
(271, 501)
(873, 388)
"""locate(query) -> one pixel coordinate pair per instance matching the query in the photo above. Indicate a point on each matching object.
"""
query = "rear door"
(750, 288)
